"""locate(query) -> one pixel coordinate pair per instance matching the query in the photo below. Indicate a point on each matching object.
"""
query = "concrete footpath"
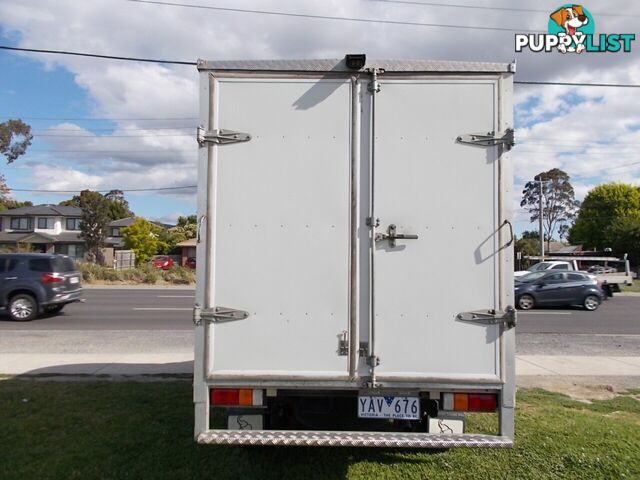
(180, 363)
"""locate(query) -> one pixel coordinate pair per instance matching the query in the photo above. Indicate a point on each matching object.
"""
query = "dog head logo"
(572, 21)
(572, 29)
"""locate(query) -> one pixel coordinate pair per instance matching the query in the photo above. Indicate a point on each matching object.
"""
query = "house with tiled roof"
(43, 228)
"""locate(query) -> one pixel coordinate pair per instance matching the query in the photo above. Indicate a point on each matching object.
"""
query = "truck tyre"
(51, 309)
(591, 302)
(526, 302)
(22, 307)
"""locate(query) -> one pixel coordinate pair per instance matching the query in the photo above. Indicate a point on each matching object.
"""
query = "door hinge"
(489, 139)
(491, 317)
(374, 84)
(343, 343)
(221, 136)
(217, 314)
(371, 223)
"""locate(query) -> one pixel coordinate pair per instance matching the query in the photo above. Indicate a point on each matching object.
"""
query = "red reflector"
(482, 402)
(51, 278)
(225, 396)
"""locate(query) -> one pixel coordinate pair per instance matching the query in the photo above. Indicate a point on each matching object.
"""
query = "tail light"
(51, 278)
(470, 402)
(230, 397)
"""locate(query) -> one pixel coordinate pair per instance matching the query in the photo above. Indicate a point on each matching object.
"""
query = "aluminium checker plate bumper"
(350, 439)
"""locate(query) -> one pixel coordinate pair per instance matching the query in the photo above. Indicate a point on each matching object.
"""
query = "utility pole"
(541, 213)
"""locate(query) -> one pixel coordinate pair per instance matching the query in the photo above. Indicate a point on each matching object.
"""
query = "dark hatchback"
(35, 283)
(553, 288)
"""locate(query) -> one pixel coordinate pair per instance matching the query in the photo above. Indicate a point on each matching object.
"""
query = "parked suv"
(35, 283)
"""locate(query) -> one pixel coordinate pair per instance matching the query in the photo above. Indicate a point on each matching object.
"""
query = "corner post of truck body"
(506, 269)
(204, 246)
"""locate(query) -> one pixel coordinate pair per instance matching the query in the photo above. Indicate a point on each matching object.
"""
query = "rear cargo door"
(428, 184)
(281, 227)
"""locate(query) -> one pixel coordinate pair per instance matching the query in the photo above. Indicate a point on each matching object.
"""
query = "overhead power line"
(104, 191)
(135, 59)
(578, 84)
(149, 129)
(110, 119)
(95, 137)
(484, 7)
(332, 17)
(95, 55)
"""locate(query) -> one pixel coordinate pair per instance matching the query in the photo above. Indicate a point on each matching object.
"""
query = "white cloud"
(557, 119)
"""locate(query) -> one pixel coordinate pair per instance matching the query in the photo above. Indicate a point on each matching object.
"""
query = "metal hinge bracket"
(491, 317)
(373, 361)
(374, 84)
(221, 136)
(489, 139)
(343, 344)
(217, 314)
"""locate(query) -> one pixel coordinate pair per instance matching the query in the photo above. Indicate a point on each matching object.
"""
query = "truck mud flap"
(350, 439)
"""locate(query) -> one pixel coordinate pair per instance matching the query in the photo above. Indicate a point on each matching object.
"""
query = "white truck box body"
(287, 241)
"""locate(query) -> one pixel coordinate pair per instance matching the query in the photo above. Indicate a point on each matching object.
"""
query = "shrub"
(146, 273)
(179, 275)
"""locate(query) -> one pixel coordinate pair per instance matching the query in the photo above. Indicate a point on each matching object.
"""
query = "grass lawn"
(133, 430)
(631, 288)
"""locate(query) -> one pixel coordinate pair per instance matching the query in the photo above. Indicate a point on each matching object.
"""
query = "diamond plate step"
(350, 439)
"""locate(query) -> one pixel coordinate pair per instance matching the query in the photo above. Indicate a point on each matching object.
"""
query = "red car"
(164, 262)
(190, 262)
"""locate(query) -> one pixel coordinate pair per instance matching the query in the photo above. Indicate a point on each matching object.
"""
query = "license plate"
(404, 408)
(73, 280)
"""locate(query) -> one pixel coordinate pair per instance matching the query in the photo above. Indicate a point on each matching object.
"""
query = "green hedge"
(92, 273)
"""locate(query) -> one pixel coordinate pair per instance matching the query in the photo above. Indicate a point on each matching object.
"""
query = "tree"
(143, 238)
(7, 203)
(72, 202)
(185, 229)
(530, 234)
(94, 220)
(558, 198)
(602, 212)
(188, 220)
(118, 206)
(15, 137)
(625, 234)
(526, 246)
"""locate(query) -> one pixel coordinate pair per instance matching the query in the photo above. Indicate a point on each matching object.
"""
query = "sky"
(105, 124)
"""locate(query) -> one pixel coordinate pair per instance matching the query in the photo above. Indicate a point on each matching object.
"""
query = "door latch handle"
(392, 236)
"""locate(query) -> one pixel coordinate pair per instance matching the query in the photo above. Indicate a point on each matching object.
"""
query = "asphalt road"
(171, 309)
(119, 309)
(619, 315)
(149, 320)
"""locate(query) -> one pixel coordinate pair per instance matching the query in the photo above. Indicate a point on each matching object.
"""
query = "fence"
(124, 259)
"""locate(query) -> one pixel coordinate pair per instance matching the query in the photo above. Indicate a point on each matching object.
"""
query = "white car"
(543, 266)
